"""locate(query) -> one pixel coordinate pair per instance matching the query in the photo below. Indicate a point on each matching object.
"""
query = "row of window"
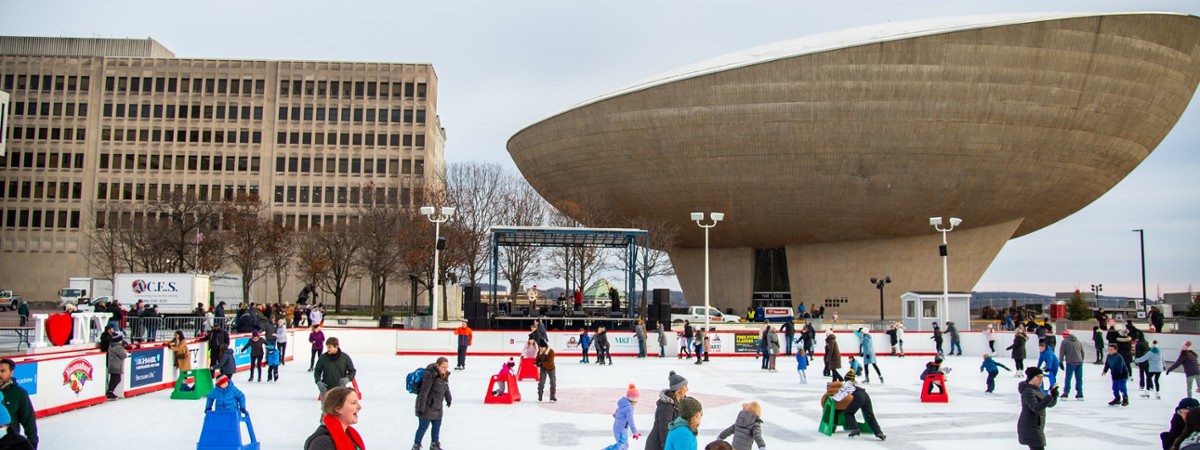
(348, 89)
(220, 111)
(303, 222)
(46, 83)
(358, 115)
(48, 109)
(41, 190)
(37, 218)
(348, 166)
(190, 163)
(154, 191)
(155, 85)
(43, 160)
(54, 134)
(340, 195)
(355, 139)
(189, 136)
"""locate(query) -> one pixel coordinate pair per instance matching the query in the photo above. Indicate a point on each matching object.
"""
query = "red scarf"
(343, 440)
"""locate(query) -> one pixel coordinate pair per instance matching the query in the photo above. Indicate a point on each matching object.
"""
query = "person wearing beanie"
(666, 410)
(116, 363)
(1031, 425)
(545, 361)
(990, 335)
(1115, 364)
(1140, 348)
(258, 350)
(1070, 356)
(1125, 348)
(685, 427)
(225, 396)
(623, 426)
(465, 337)
(1018, 351)
(933, 367)
(859, 399)
(747, 428)
(1154, 367)
(1191, 368)
(937, 338)
(866, 347)
(1177, 423)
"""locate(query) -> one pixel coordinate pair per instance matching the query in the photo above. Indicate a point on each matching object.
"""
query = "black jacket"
(1017, 347)
(435, 390)
(664, 412)
(1031, 426)
(331, 369)
(20, 408)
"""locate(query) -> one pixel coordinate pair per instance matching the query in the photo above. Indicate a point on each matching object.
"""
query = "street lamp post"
(1097, 288)
(437, 217)
(699, 217)
(879, 285)
(937, 225)
(1142, 239)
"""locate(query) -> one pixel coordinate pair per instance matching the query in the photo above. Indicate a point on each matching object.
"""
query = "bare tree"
(280, 254)
(663, 237)
(246, 238)
(181, 216)
(522, 207)
(478, 191)
(106, 247)
(578, 264)
(311, 260)
(327, 257)
(380, 226)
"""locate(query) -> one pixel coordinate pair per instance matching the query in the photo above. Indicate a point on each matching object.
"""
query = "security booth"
(922, 309)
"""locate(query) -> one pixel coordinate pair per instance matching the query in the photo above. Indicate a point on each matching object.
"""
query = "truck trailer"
(174, 293)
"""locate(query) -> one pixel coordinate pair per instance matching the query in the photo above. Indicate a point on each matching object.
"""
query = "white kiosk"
(922, 309)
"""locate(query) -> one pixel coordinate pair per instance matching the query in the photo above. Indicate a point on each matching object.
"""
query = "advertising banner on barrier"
(146, 367)
(68, 380)
(239, 358)
(26, 376)
(745, 342)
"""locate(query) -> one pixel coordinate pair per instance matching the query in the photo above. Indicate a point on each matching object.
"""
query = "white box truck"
(174, 293)
(82, 289)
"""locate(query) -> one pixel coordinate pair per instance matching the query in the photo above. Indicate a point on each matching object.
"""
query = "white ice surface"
(284, 414)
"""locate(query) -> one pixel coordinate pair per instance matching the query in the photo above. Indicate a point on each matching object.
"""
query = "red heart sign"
(58, 328)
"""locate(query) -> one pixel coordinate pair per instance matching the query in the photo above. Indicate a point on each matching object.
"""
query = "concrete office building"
(96, 123)
(829, 154)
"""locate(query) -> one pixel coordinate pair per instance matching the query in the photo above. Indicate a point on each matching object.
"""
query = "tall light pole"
(699, 217)
(1097, 288)
(1142, 239)
(879, 282)
(437, 217)
(937, 225)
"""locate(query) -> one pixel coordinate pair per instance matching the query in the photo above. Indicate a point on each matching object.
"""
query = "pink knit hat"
(1187, 344)
(632, 393)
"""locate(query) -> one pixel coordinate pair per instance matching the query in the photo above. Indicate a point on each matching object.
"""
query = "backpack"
(413, 381)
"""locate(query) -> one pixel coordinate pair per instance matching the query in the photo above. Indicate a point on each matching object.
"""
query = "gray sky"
(503, 65)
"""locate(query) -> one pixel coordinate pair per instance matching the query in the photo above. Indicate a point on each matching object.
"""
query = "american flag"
(199, 236)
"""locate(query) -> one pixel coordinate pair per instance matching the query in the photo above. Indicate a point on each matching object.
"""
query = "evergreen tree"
(1077, 309)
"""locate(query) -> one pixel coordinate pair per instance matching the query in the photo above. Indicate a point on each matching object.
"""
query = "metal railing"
(149, 329)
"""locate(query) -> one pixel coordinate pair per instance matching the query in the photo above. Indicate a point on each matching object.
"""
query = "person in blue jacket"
(993, 368)
(684, 428)
(585, 341)
(272, 361)
(1048, 362)
(802, 365)
(623, 425)
(225, 396)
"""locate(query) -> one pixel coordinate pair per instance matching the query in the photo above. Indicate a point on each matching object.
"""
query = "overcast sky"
(503, 65)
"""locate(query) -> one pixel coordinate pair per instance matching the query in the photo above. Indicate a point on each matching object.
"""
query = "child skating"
(802, 365)
(623, 426)
(992, 367)
(1114, 363)
(747, 429)
(506, 370)
(273, 358)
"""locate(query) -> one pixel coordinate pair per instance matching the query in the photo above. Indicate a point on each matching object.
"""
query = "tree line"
(378, 238)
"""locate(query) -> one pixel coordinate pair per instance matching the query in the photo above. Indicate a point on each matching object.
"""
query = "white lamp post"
(937, 225)
(698, 217)
(437, 217)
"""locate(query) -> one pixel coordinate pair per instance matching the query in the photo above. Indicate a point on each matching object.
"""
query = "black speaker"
(472, 294)
(476, 315)
(661, 296)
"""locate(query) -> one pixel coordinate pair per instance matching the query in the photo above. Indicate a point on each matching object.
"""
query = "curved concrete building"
(828, 154)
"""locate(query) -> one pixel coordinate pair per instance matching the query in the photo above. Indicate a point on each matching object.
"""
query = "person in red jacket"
(464, 340)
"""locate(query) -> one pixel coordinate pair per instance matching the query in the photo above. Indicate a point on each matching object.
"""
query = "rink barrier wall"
(61, 381)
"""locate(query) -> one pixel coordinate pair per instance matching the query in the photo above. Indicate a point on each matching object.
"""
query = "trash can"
(385, 320)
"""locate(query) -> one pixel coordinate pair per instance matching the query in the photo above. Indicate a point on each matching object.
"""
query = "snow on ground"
(285, 413)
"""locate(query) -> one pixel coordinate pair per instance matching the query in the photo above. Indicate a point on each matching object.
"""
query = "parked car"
(8, 300)
(90, 305)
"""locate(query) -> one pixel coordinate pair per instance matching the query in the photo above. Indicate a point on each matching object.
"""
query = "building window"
(929, 308)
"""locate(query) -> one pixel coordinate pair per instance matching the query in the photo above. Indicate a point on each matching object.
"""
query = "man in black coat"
(1156, 319)
(217, 337)
(789, 331)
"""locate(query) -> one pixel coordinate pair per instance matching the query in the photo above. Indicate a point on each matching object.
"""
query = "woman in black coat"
(435, 389)
(1018, 350)
(1031, 425)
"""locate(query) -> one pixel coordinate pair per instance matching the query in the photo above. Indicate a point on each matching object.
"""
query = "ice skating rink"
(285, 413)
